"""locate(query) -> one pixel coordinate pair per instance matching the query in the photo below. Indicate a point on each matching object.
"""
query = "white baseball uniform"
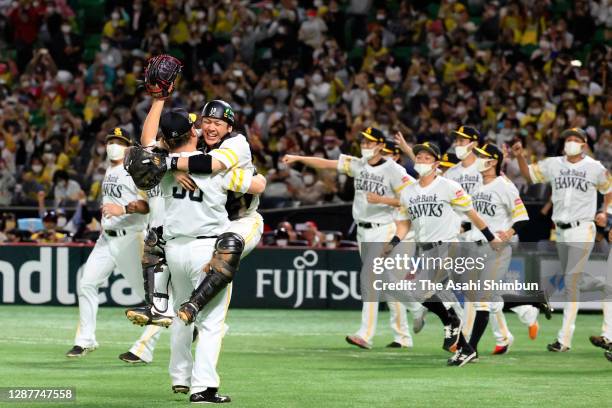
(120, 248)
(375, 223)
(499, 204)
(193, 221)
(235, 152)
(574, 198)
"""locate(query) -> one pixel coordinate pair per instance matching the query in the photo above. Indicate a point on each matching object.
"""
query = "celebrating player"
(372, 174)
(124, 209)
(575, 179)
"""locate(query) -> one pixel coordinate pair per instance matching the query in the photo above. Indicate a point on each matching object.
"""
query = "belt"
(430, 245)
(368, 225)
(466, 226)
(115, 233)
(206, 237)
(563, 226)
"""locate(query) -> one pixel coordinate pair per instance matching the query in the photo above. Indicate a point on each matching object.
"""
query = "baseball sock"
(435, 305)
(480, 324)
(511, 301)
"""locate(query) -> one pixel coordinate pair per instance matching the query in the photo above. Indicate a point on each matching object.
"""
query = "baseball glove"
(146, 166)
(160, 74)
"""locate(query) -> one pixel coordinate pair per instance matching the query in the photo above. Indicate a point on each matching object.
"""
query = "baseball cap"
(176, 123)
(50, 216)
(373, 134)
(390, 146)
(428, 147)
(467, 132)
(119, 134)
(449, 160)
(490, 150)
(574, 132)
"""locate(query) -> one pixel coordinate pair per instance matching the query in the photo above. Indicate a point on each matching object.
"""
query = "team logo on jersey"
(424, 205)
(371, 183)
(468, 182)
(572, 178)
(483, 204)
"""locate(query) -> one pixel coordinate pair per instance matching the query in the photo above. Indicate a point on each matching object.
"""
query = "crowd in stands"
(303, 77)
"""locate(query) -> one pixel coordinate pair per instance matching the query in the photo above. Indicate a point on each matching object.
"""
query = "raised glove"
(160, 74)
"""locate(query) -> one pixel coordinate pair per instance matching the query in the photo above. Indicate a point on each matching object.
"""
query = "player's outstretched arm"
(151, 123)
(517, 149)
(258, 184)
(310, 161)
(378, 199)
(403, 226)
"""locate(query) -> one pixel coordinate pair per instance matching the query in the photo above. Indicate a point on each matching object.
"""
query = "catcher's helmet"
(220, 110)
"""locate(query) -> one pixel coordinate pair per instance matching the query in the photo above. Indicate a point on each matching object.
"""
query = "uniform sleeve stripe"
(232, 153)
(241, 180)
(233, 181)
(461, 203)
(518, 214)
(347, 166)
(537, 172)
(400, 188)
(227, 155)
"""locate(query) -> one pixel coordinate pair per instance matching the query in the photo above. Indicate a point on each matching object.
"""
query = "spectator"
(310, 232)
(50, 233)
(7, 183)
(66, 191)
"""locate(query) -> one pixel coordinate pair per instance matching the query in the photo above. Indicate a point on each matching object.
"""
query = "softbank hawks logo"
(305, 281)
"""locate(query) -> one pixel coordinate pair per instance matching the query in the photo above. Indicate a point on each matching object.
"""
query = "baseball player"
(466, 173)
(194, 230)
(605, 340)
(575, 179)
(498, 203)
(372, 174)
(226, 150)
(119, 247)
(431, 207)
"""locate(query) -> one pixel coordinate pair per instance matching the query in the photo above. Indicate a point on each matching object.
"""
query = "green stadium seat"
(402, 53)
(432, 10)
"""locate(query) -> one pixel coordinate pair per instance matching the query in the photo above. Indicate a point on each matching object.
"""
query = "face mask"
(317, 78)
(115, 16)
(137, 68)
(572, 148)
(103, 110)
(37, 168)
(232, 86)
(299, 102)
(481, 164)
(423, 169)
(462, 152)
(247, 110)
(368, 153)
(95, 93)
(100, 150)
(398, 108)
(268, 108)
(308, 179)
(115, 151)
(104, 46)
(379, 80)
(1, 144)
(65, 29)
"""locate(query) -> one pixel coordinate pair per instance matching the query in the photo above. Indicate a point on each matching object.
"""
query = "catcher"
(226, 150)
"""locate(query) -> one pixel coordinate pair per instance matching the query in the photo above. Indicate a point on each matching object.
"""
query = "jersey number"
(180, 193)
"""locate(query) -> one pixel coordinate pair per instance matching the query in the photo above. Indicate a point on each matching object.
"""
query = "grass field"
(278, 358)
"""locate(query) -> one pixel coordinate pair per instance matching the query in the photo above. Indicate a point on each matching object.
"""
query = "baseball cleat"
(209, 396)
(188, 313)
(500, 349)
(418, 322)
(146, 315)
(608, 355)
(451, 335)
(131, 358)
(395, 344)
(461, 358)
(78, 351)
(557, 347)
(545, 306)
(358, 341)
(180, 389)
(533, 330)
(601, 341)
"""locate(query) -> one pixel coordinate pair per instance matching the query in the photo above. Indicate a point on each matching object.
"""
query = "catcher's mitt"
(146, 166)
(160, 74)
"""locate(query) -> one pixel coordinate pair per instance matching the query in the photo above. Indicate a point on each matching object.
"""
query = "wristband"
(125, 209)
(488, 234)
(174, 163)
(394, 241)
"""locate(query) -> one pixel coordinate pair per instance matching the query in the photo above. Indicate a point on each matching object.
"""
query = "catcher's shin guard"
(219, 273)
(156, 275)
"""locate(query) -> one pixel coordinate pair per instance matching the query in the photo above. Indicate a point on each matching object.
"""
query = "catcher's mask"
(176, 127)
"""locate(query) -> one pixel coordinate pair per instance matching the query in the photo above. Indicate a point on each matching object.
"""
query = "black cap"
(467, 132)
(50, 216)
(390, 146)
(119, 134)
(176, 123)
(492, 151)
(219, 109)
(373, 134)
(574, 132)
(428, 147)
(449, 160)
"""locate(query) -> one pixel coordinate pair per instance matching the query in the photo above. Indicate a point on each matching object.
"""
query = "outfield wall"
(268, 278)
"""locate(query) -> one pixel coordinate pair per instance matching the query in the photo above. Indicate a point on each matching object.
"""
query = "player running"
(372, 174)
(575, 179)
(124, 209)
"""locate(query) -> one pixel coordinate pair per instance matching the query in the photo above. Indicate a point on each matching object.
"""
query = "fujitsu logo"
(305, 281)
